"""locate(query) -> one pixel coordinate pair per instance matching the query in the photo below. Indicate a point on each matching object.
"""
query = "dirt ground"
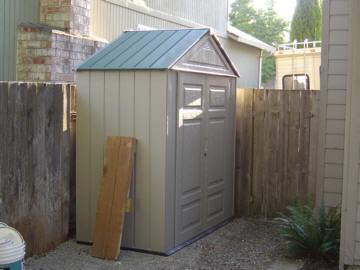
(242, 244)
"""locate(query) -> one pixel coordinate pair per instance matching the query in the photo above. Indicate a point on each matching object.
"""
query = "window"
(296, 82)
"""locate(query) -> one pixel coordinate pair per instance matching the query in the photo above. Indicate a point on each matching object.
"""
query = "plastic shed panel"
(180, 106)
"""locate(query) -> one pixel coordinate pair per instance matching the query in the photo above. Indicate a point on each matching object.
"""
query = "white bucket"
(12, 245)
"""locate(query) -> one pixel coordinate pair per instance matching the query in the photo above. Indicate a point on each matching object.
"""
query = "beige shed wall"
(124, 104)
(333, 100)
(299, 64)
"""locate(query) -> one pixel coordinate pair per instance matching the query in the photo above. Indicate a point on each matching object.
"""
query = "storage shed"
(174, 91)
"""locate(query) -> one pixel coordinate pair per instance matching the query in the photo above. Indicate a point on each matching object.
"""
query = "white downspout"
(260, 68)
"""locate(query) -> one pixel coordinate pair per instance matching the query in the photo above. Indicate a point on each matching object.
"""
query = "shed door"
(218, 140)
(201, 185)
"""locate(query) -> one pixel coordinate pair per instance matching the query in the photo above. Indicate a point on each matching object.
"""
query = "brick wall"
(45, 54)
(72, 16)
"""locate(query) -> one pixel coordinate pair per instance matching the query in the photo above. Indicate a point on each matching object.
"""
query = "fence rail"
(276, 145)
(36, 156)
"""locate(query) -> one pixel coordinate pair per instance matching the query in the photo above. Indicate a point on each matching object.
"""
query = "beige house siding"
(333, 99)
(174, 14)
(107, 18)
(212, 14)
(13, 12)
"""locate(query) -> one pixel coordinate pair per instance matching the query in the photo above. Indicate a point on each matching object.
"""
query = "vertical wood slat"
(34, 163)
(276, 149)
(244, 116)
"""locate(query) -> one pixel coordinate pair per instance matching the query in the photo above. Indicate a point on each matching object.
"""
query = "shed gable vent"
(204, 56)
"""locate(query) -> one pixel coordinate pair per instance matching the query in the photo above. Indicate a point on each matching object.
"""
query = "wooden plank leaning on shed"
(113, 197)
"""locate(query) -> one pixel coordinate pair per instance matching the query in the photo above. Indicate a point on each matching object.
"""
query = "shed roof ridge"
(187, 50)
(141, 50)
(124, 51)
(106, 53)
(187, 33)
(152, 51)
(128, 58)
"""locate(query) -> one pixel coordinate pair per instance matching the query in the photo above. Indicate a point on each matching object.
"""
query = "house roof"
(245, 38)
(154, 49)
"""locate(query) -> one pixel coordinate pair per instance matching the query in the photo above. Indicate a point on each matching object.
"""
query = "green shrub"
(309, 233)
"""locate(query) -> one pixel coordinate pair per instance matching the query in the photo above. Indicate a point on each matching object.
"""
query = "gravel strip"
(241, 244)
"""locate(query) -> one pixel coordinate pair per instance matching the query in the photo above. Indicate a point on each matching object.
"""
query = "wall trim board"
(348, 251)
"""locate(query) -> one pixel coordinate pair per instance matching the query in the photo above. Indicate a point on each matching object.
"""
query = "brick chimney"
(72, 16)
(50, 51)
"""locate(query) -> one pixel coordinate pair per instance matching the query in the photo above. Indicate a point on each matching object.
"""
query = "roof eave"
(254, 42)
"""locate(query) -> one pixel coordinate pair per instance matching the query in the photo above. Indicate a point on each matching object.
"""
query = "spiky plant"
(309, 233)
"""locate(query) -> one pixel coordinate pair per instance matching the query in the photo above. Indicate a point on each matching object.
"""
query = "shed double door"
(203, 187)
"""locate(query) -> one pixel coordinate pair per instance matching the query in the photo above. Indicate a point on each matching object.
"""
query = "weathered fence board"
(276, 149)
(35, 158)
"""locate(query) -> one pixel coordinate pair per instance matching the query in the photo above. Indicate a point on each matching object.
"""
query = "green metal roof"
(155, 49)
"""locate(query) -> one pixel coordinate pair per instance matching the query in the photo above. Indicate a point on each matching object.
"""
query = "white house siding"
(13, 12)
(333, 98)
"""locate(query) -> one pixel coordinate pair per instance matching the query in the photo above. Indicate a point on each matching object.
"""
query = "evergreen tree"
(263, 24)
(243, 16)
(306, 22)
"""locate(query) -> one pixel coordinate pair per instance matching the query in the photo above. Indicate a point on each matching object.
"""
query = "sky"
(285, 8)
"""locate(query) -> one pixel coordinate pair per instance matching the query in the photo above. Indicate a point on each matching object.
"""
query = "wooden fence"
(36, 154)
(277, 133)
